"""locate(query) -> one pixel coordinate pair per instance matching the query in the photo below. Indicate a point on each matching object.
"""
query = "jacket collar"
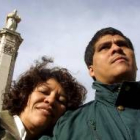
(8, 123)
(125, 94)
(106, 93)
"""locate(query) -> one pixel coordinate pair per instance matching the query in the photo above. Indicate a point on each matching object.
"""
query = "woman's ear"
(91, 71)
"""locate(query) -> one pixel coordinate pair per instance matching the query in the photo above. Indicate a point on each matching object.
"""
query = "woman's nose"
(51, 98)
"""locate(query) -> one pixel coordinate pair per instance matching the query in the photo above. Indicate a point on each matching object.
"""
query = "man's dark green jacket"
(114, 115)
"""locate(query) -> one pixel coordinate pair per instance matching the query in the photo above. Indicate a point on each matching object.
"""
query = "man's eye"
(122, 44)
(104, 47)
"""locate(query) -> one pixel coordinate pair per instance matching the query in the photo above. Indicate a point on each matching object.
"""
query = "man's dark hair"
(90, 49)
(16, 100)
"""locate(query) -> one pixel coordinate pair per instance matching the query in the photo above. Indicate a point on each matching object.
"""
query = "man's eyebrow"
(120, 41)
(102, 44)
(105, 43)
(109, 42)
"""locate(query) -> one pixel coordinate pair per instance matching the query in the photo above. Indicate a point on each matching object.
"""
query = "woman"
(36, 101)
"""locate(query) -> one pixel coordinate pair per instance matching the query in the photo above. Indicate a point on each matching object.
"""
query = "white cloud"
(63, 28)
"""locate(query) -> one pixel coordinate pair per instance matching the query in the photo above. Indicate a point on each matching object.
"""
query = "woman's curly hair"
(16, 99)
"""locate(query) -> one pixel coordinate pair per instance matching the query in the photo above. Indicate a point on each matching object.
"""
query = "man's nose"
(116, 48)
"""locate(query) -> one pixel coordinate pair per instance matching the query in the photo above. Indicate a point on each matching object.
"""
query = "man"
(115, 113)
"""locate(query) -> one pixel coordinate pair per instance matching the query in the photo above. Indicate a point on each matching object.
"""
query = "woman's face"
(45, 105)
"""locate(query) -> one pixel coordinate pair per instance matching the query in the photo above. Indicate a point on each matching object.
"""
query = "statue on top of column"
(12, 20)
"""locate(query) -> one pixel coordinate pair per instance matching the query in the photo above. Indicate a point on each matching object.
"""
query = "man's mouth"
(119, 59)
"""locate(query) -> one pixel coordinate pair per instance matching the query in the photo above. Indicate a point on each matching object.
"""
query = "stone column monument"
(10, 41)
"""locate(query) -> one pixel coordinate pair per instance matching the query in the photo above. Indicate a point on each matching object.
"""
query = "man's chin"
(124, 75)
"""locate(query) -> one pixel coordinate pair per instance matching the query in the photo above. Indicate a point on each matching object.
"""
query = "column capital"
(10, 41)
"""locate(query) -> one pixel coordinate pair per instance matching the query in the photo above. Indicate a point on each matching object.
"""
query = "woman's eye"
(44, 92)
(62, 100)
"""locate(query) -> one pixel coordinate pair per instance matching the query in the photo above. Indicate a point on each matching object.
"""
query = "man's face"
(45, 105)
(113, 60)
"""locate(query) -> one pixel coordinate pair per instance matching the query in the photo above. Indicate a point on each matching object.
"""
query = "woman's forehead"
(52, 84)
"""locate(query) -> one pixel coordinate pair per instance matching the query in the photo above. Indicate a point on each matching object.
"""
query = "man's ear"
(91, 71)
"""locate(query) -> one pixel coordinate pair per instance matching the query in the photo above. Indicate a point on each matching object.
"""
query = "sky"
(61, 29)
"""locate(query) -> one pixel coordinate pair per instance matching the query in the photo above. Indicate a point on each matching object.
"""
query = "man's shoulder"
(75, 122)
(82, 112)
(85, 107)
